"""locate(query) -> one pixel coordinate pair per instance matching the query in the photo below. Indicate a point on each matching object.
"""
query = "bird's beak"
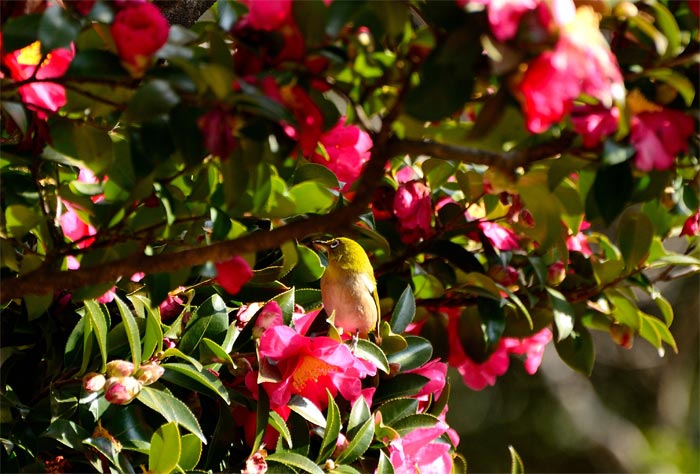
(320, 245)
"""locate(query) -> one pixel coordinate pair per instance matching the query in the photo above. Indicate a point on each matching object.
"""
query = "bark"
(183, 12)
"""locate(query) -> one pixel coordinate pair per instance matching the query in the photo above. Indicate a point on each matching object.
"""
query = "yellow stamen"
(310, 369)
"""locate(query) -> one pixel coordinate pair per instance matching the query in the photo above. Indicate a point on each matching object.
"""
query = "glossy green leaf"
(307, 410)
(21, 219)
(384, 466)
(295, 461)
(261, 419)
(20, 31)
(37, 305)
(67, 432)
(634, 234)
(278, 423)
(669, 27)
(154, 98)
(202, 381)
(666, 308)
(209, 320)
(415, 421)
(171, 408)
(175, 352)
(311, 197)
(544, 207)
(397, 409)
(371, 352)
(624, 310)
(516, 463)
(577, 350)
(359, 414)
(676, 80)
(57, 29)
(404, 311)
(403, 385)
(190, 453)
(612, 188)
(99, 322)
(564, 316)
(132, 331)
(418, 352)
(211, 352)
(165, 449)
(331, 432)
(358, 444)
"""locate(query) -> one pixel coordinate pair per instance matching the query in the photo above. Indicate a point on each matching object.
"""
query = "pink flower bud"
(622, 335)
(119, 368)
(556, 273)
(93, 382)
(121, 390)
(506, 276)
(149, 373)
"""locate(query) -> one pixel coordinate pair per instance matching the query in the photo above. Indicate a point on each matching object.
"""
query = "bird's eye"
(334, 243)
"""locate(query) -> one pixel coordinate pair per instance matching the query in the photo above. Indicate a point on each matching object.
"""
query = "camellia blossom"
(24, 63)
(233, 273)
(308, 366)
(691, 226)
(420, 450)
(218, 127)
(436, 373)
(581, 62)
(532, 346)
(413, 207)
(347, 150)
(659, 136)
(594, 122)
(579, 241)
(139, 30)
(501, 237)
(268, 15)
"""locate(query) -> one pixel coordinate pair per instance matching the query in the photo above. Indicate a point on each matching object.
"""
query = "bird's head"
(345, 253)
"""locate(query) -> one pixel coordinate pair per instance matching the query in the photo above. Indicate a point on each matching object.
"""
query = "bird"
(348, 287)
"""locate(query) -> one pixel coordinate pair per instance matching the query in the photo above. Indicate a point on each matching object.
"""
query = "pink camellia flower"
(505, 275)
(691, 226)
(421, 451)
(580, 62)
(532, 346)
(556, 273)
(121, 390)
(308, 366)
(347, 150)
(436, 373)
(413, 207)
(218, 127)
(170, 307)
(658, 136)
(268, 15)
(75, 229)
(233, 273)
(579, 241)
(94, 382)
(139, 30)
(594, 122)
(40, 96)
(504, 16)
(501, 237)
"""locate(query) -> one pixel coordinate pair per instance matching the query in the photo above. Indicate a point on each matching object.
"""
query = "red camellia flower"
(579, 241)
(233, 273)
(413, 206)
(40, 96)
(347, 150)
(501, 237)
(659, 136)
(691, 227)
(594, 122)
(139, 30)
(308, 366)
(268, 15)
(218, 127)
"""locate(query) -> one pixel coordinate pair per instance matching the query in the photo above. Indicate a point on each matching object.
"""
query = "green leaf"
(67, 432)
(202, 381)
(307, 410)
(384, 466)
(415, 421)
(278, 423)
(21, 219)
(611, 191)
(577, 350)
(493, 319)
(20, 31)
(308, 266)
(152, 99)
(665, 307)
(99, 322)
(544, 207)
(330, 434)
(295, 461)
(403, 385)
(132, 331)
(57, 29)
(311, 197)
(359, 413)
(655, 331)
(311, 17)
(261, 419)
(344, 469)
(210, 320)
(635, 233)
(418, 352)
(37, 305)
(171, 408)
(191, 452)
(564, 316)
(211, 352)
(624, 310)
(359, 443)
(516, 463)
(316, 173)
(371, 352)
(669, 27)
(165, 449)
(676, 80)
(404, 311)
(397, 409)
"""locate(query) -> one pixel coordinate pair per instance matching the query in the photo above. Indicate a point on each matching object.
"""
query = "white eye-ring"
(334, 243)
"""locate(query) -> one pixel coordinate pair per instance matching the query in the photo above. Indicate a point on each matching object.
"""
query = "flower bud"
(149, 373)
(505, 275)
(556, 273)
(622, 335)
(93, 382)
(121, 390)
(119, 368)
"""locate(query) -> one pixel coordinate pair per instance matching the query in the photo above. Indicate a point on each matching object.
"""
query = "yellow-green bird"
(348, 287)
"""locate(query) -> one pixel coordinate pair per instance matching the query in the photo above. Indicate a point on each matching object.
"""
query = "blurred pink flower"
(436, 373)
(347, 148)
(75, 229)
(579, 241)
(501, 237)
(40, 96)
(139, 30)
(556, 273)
(594, 122)
(218, 127)
(532, 346)
(170, 307)
(421, 451)
(268, 15)
(581, 62)
(658, 136)
(233, 273)
(691, 226)
(413, 207)
(308, 366)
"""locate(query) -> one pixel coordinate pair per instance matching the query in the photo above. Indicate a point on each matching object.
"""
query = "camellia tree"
(513, 169)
